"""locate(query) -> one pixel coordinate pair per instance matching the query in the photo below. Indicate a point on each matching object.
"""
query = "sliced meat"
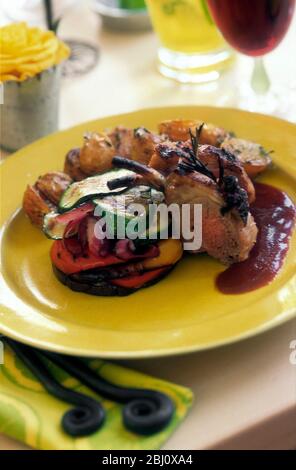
(210, 156)
(226, 237)
(168, 155)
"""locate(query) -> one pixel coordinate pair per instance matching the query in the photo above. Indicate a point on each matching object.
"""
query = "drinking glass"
(254, 28)
(192, 49)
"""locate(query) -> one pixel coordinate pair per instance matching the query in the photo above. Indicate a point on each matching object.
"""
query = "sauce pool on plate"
(274, 214)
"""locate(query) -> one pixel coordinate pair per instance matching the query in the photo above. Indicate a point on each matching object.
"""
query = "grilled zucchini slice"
(91, 188)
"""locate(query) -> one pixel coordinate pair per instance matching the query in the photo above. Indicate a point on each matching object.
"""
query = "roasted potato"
(254, 158)
(96, 153)
(121, 138)
(52, 185)
(178, 130)
(35, 206)
(44, 195)
(143, 145)
(72, 165)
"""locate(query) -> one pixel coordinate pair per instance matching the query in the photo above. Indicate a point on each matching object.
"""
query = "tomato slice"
(68, 263)
(139, 280)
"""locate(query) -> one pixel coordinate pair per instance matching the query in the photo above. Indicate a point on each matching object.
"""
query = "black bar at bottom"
(136, 459)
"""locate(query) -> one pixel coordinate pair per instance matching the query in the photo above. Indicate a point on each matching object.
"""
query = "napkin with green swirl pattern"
(29, 414)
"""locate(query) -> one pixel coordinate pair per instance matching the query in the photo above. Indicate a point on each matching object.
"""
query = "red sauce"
(274, 213)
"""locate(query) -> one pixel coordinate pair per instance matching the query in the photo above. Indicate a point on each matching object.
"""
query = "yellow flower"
(25, 51)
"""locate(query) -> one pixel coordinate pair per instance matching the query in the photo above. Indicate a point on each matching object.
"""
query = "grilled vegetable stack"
(107, 242)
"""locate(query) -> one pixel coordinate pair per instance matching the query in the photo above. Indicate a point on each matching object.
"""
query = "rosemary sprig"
(190, 161)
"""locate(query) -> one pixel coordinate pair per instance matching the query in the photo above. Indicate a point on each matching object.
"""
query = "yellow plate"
(183, 312)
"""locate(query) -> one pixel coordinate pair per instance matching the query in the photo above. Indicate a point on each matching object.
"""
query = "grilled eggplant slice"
(105, 288)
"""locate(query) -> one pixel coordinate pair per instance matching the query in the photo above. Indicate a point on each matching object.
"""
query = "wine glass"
(254, 28)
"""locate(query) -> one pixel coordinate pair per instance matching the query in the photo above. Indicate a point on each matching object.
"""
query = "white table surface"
(245, 394)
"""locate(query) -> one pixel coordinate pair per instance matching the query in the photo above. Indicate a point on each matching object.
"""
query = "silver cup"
(30, 109)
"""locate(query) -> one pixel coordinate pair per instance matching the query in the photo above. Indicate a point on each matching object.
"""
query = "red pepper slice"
(138, 280)
(74, 218)
(68, 263)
